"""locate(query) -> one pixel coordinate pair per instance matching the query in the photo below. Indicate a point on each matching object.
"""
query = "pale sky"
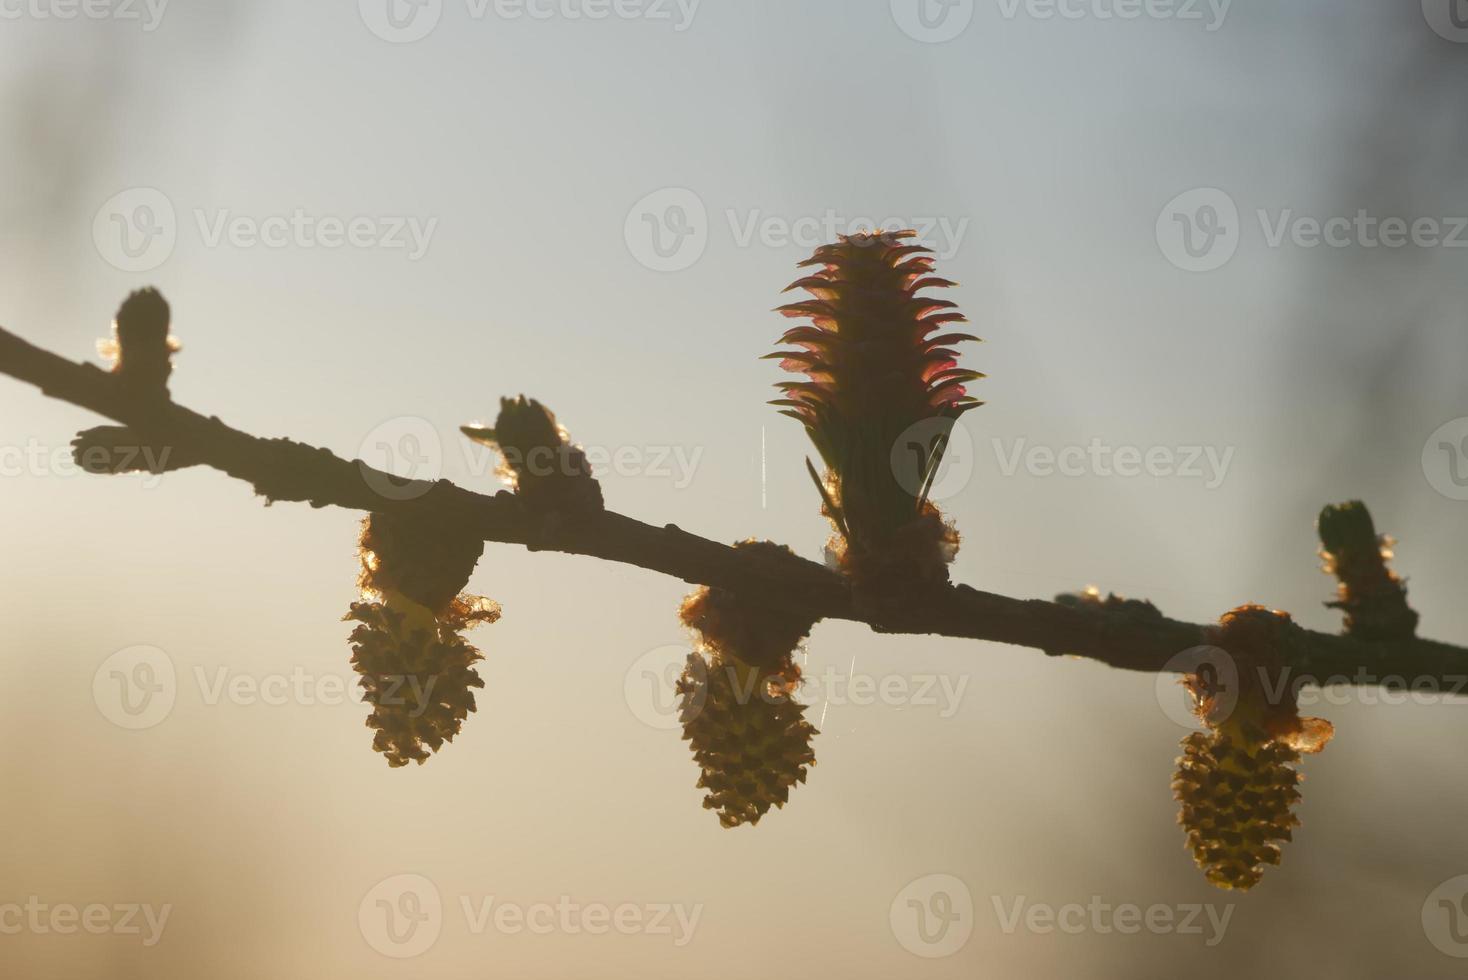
(500, 173)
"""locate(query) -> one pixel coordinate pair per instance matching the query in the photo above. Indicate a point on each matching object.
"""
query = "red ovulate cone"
(882, 392)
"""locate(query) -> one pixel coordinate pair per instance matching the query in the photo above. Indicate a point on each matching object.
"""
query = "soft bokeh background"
(1059, 142)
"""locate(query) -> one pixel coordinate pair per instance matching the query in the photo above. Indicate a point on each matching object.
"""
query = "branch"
(1131, 636)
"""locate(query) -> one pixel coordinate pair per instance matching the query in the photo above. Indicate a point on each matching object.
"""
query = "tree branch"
(1131, 636)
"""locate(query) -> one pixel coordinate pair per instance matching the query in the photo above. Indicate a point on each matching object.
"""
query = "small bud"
(115, 449)
(140, 347)
(538, 459)
(1371, 595)
(426, 564)
(1090, 600)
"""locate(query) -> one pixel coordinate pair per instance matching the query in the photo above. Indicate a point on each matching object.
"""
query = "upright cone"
(883, 389)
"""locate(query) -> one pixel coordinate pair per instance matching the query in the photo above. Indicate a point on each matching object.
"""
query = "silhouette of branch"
(1126, 635)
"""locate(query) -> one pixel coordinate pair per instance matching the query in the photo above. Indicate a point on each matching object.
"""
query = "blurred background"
(374, 219)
